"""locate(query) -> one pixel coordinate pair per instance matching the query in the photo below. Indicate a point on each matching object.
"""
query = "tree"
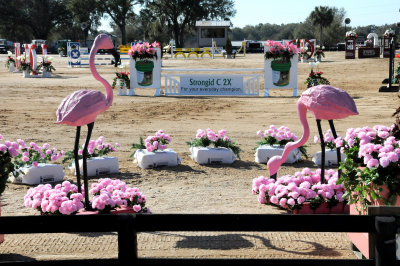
(12, 21)
(304, 30)
(38, 17)
(85, 12)
(335, 32)
(322, 16)
(181, 15)
(119, 11)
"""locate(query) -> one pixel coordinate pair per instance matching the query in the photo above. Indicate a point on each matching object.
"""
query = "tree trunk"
(320, 36)
(177, 35)
(123, 33)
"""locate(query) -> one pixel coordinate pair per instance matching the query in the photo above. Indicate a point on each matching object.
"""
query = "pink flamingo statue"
(326, 103)
(82, 107)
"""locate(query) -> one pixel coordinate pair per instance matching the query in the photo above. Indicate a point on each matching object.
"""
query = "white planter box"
(265, 152)
(46, 74)
(330, 158)
(42, 174)
(11, 67)
(205, 155)
(26, 74)
(146, 159)
(98, 166)
(122, 88)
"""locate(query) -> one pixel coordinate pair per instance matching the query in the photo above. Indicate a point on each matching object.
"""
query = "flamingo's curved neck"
(96, 75)
(302, 112)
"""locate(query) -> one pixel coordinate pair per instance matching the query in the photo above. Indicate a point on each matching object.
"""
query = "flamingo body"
(326, 103)
(81, 107)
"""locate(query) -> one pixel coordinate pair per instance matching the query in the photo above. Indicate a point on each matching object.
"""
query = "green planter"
(280, 72)
(144, 69)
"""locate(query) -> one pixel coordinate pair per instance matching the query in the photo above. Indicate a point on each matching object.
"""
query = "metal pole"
(385, 241)
(391, 62)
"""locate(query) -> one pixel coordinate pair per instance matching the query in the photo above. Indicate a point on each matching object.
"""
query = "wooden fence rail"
(128, 226)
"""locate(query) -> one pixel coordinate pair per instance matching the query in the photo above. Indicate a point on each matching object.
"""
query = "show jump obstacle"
(211, 82)
(76, 54)
(30, 53)
(199, 53)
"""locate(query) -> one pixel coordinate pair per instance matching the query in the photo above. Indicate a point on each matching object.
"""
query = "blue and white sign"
(211, 85)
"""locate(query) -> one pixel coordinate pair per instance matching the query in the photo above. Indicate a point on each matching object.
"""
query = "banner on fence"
(211, 85)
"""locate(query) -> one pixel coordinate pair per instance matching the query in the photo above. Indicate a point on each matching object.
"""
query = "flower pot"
(11, 67)
(206, 155)
(304, 209)
(123, 209)
(46, 74)
(42, 174)
(144, 69)
(26, 74)
(319, 58)
(323, 209)
(365, 242)
(123, 89)
(265, 152)
(340, 208)
(280, 72)
(330, 158)
(98, 166)
(146, 159)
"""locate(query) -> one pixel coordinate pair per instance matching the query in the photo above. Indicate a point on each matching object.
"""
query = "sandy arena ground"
(27, 111)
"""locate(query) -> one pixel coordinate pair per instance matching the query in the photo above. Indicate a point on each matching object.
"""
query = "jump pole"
(17, 49)
(44, 49)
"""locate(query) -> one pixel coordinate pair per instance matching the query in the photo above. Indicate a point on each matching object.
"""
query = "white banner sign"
(211, 85)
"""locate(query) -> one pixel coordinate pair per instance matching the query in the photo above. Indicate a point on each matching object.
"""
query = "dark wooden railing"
(127, 226)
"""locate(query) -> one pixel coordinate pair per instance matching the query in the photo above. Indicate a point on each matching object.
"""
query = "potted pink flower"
(279, 58)
(8, 151)
(273, 142)
(372, 167)
(107, 196)
(370, 173)
(146, 53)
(153, 152)
(114, 195)
(224, 151)
(36, 164)
(302, 192)
(98, 163)
(62, 199)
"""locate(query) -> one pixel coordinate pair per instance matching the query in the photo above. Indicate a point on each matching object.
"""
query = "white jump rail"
(251, 81)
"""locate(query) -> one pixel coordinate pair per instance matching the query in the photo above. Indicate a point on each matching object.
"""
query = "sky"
(360, 12)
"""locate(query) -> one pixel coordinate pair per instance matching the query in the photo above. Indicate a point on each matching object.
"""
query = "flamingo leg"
(76, 149)
(85, 178)
(339, 159)
(321, 137)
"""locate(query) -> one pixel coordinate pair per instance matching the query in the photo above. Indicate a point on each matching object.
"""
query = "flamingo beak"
(116, 55)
